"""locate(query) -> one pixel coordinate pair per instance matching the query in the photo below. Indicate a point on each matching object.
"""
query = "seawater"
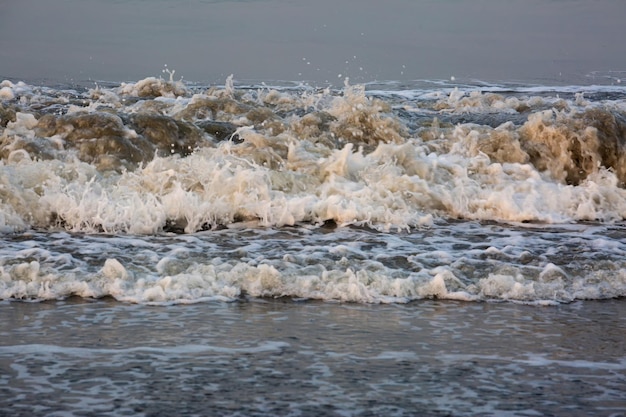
(271, 357)
(456, 225)
(156, 191)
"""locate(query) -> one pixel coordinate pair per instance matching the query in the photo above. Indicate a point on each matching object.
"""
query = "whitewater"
(399, 208)
(158, 191)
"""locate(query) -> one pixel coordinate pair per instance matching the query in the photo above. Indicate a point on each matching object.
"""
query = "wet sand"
(269, 357)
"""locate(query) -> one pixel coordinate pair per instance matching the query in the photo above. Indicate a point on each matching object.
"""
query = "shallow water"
(306, 358)
(459, 260)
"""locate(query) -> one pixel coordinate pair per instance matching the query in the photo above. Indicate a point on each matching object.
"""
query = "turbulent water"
(160, 191)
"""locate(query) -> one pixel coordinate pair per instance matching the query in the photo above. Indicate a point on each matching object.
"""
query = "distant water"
(410, 209)
(540, 41)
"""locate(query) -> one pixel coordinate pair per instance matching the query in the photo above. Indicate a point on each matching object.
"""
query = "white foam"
(77, 352)
(308, 157)
(182, 277)
(153, 87)
(286, 178)
(6, 93)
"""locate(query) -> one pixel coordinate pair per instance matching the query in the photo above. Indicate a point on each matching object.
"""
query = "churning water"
(316, 247)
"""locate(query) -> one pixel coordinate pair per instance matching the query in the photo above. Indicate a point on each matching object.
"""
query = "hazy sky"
(548, 41)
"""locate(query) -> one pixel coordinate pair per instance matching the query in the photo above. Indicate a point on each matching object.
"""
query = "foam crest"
(372, 283)
(459, 261)
(153, 87)
(157, 155)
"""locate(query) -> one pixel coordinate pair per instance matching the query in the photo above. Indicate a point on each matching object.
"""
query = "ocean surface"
(262, 208)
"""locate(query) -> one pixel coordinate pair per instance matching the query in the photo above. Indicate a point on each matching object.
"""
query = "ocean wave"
(159, 155)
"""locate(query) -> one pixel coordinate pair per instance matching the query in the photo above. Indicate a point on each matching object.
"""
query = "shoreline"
(275, 357)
